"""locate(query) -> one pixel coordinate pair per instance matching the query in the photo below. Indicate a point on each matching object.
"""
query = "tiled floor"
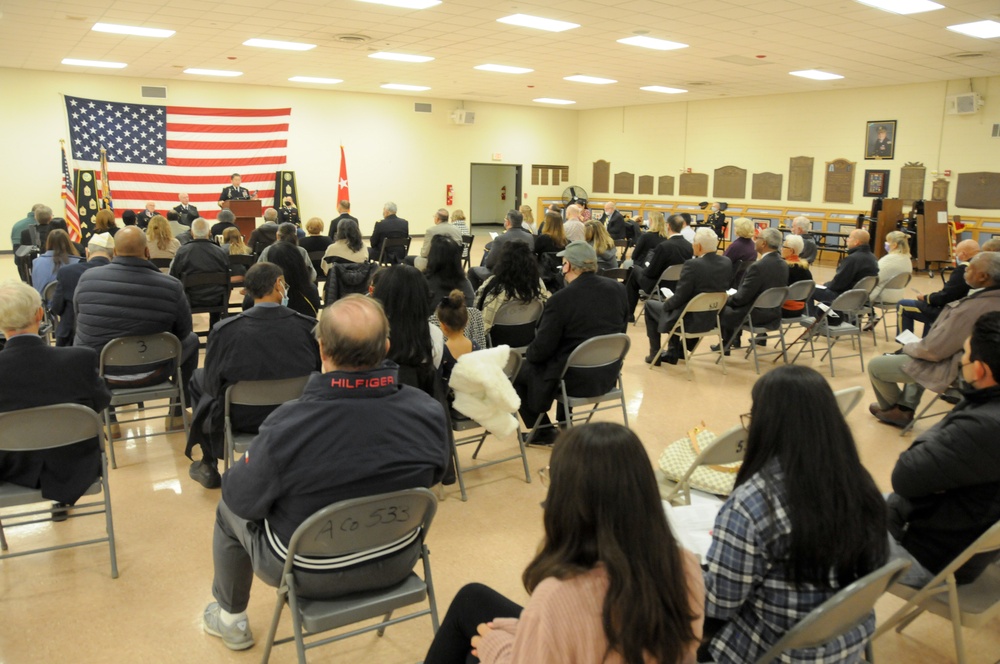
(64, 607)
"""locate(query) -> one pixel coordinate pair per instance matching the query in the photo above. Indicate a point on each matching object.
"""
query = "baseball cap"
(579, 254)
(101, 241)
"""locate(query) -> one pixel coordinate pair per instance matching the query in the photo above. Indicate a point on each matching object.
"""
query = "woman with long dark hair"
(402, 290)
(302, 294)
(804, 520)
(444, 271)
(609, 583)
(516, 276)
(349, 246)
(59, 251)
(552, 236)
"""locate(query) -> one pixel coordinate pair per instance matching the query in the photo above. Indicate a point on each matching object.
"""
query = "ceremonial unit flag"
(72, 216)
(158, 151)
(343, 192)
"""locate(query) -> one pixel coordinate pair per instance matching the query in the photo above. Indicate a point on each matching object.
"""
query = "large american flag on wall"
(155, 152)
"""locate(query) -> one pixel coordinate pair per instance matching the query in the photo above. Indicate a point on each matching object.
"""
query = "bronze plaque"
(839, 181)
(624, 183)
(545, 176)
(602, 176)
(911, 182)
(646, 185)
(800, 178)
(730, 182)
(979, 191)
(939, 190)
(665, 186)
(766, 186)
(694, 184)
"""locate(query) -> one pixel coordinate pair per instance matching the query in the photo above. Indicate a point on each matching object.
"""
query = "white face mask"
(284, 295)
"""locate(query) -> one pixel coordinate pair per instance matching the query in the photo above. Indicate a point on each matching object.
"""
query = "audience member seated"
(104, 222)
(926, 308)
(589, 306)
(458, 220)
(391, 226)
(516, 276)
(441, 227)
(343, 212)
(780, 546)
(934, 362)
(514, 232)
(528, 219)
(770, 271)
(551, 239)
(317, 451)
(280, 344)
(649, 240)
(226, 219)
(859, 263)
(232, 243)
(60, 224)
(349, 247)
(301, 293)
(36, 374)
(288, 234)
(573, 224)
(35, 235)
(802, 227)
(614, 222)
(742, 248)
(597, 236)
(162, 243)
(128, 297)
(22, 225)
(186, 213)
(59, 252)
(100, 250)
(688, 231)
(266, 234)
(315, 241)
(707, 272)
(645, 277)
(143, 218)
(444, 271)
(202, 256)
(798, 270)
(895, 262)
(453, 316)
(609, 582)
(947, 484)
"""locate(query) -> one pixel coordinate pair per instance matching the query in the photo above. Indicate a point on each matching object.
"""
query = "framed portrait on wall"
(880, 140)
(877, 183)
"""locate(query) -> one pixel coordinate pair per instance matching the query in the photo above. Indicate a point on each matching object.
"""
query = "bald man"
(323, 448)
(926, 308)
(130, 296)
(859, 263)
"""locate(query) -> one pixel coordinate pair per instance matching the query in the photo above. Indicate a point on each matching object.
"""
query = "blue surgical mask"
(284, 297)
(887, 247)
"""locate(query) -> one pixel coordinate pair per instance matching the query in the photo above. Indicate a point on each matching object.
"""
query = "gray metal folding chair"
(256, 393)
(140, 350)
(849, 305)
(772, 298)
(848, 398)
(729, 448)
(701, 303)
(672, 273)
(839, 614)
(43, 428)
(394, 249)
(899, 282)
(601, 355)
(514, 324)
(967, 605)
(618, 274)
(951, 396)
(348, 527)
(467, 241)
(868, 285)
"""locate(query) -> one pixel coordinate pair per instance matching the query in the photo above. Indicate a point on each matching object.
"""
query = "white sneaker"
(236, 636)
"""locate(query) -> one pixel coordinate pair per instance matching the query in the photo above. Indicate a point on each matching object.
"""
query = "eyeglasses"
(745, 421)
(544, 476)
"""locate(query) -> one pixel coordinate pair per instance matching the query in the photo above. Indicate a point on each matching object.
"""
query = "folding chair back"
(851, 302)
(162, 263)
(672, 273)
(467, 241)
(514, 324)
(848, 398)
(867, 284)
(246, 260)
(801, 291)
(48, 327)
(900, 281)
(848, 608)
(256, 393)
(600, 360)
(772, 298)
(728, 448)
(622, 244)
(139, 350)
(701, 303)
(617, 274)
(316, 258)
(394, 250)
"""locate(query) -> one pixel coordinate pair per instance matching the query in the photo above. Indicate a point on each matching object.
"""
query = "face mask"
(887, 247)
(284, 296)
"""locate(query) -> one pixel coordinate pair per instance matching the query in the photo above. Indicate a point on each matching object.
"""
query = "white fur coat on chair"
(483, 392)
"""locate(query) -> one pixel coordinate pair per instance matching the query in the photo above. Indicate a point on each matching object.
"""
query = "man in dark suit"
(143, 218)
(226, 219)
(707, 272)
(589, 306)
(234, 192)
(391, 226)
(673, 251)
(201, 256)
(926, 308)
(36, 374)
(100, 251)
(344, 212)
(614, 221)
(769, 271)
(186, 213)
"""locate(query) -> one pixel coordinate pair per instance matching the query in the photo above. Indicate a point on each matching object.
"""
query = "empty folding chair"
(729, 448)
(899, 282)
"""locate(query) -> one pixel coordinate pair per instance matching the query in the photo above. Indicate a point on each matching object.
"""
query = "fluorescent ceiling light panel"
(405, 4)
(665, 90)
(212, 72)
(405, 87)
(595, 80)
(981, 29)
(816, 75)
(504, 69)
(400, 57)
(93, 63)
(132, 30)
(538, 23)
(549, 100)
(903, 6)
(283, 45)
(652, 42)
(315, 79)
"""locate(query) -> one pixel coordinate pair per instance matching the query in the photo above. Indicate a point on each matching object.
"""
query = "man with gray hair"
(100, 251)
(391, 226)
(802, 227)
(202, 256)
(934, 362)
(440, 227)
(707, 272)
(226, 219)
(266, 234)
(769, 271)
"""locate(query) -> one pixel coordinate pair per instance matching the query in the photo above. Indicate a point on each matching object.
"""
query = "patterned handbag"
(679, 455)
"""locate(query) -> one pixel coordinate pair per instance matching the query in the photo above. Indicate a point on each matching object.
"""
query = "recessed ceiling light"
(283, 45)
(93, 63)
(579, 78)
(131, 30)
(549, 100)
(903, 6)
(404, 86)
(315, 79)
(816, 75)
(504, 69)
(405, 4)
(548, 24)
(212, 72)
(981, 29)
(652, 42)
(663, 89)
(400, 57)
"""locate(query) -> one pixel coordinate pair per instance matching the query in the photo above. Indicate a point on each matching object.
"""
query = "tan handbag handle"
(693, 438)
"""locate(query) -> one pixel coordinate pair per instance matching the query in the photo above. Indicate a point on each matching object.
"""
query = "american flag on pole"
(72, 216)
(157, 152)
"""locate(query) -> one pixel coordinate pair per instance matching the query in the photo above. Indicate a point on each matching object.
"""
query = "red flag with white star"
(343, 193)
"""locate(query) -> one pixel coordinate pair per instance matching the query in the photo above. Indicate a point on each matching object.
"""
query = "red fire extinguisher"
(449, 194)
(503, 193)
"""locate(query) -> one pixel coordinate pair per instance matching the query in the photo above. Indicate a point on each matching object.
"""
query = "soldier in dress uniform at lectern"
(234, 192)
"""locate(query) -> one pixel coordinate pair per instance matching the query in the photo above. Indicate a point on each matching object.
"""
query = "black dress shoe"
(205, 474)
(649, 358)
(717, 347)
(669, 358)
(60, 511)
(542, 438)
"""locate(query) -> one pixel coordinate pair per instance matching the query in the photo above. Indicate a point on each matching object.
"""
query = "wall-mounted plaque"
(646, 185)
(800, 178)
(939, 190)
(624, 183)
(839, 181)
(694, 184)
(602, 177)
(541, 173)
(665, 185)
(766, 186)
(730, 182)
(911, 182)
(979, 191)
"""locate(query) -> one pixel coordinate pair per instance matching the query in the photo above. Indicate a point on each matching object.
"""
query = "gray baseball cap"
(579, 254)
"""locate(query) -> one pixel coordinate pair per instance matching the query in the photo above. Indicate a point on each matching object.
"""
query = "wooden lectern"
(933, 238)
(888, 220)
(246, 214)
